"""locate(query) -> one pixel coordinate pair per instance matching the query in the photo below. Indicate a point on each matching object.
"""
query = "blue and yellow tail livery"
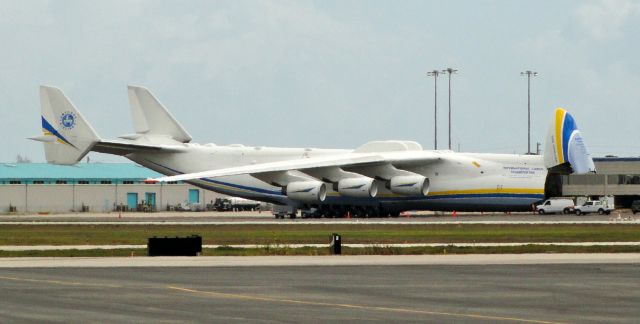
(67, 135)
(564, 145)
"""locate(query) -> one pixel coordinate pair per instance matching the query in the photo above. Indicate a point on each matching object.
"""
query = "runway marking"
(353, 306)
(58, 282)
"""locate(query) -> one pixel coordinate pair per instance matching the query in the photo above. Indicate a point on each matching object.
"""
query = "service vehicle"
(595, 206)
(235, 204)
(556, 205)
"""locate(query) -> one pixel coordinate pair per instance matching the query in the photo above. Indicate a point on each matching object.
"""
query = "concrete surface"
(589, 291)
(340, 260)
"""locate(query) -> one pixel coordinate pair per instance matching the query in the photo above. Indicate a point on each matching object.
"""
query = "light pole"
(529, 74)
(449, 71)
(435, 74)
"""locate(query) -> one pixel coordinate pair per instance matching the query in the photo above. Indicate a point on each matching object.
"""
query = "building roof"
(79, 171)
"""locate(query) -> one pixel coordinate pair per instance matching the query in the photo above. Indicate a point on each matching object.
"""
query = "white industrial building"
(95, 187)
(618, 177)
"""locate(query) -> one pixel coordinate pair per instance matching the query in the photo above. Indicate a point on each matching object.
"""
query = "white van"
(556, 205)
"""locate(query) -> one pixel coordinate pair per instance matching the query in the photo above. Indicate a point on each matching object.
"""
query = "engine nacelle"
(307, 191)
(409, 185)
(362, 187)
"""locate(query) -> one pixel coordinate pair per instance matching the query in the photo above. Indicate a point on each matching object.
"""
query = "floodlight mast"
(449, 72)
(529, 74)
(435, 74)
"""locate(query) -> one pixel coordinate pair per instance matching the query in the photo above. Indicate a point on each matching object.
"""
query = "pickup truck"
(597, 206)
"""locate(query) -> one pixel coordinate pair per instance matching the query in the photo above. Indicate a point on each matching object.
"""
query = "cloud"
(605, 19)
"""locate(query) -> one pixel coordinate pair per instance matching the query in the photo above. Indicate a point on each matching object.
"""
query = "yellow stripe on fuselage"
(560, 113)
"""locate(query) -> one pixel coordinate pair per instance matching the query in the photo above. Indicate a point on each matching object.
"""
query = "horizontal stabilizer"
(124, 148)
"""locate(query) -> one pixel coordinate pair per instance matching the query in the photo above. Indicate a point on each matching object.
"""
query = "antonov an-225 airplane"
(379, 178)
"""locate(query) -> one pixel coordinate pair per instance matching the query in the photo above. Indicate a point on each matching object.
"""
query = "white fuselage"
(458, 181)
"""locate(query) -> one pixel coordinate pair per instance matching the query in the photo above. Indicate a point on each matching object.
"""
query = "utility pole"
(529, 74)
(449, 71)
(435, 74)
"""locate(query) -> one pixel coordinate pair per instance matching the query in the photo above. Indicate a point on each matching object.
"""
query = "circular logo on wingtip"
(68, 120)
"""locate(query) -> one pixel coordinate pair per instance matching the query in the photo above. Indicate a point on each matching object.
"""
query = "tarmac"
(547, 288)
(258, 218)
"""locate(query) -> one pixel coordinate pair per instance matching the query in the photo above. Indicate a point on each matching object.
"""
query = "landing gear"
(331, 211)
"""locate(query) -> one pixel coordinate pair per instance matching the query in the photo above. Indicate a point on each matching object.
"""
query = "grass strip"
(319, 233)
(306, 251)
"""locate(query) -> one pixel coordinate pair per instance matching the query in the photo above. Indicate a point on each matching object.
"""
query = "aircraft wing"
(382, 165)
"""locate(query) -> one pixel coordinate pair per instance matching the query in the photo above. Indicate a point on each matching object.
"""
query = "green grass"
(373, 250)
(300, 234)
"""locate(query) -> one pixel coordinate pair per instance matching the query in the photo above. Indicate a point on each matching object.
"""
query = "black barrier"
(336, 244)
(174, 246)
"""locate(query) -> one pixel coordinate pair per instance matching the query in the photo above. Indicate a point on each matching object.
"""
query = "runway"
(508, 289)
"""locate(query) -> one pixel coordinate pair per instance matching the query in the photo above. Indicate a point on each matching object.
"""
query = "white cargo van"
(556, 205)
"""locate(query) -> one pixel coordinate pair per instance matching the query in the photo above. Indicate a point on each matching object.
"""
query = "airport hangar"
(107, 187)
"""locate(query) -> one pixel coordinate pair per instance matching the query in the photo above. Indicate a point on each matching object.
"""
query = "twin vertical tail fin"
(68, 137)
(564, 149)
(150, 117)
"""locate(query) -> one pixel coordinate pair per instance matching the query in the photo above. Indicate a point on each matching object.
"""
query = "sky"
(328, 74)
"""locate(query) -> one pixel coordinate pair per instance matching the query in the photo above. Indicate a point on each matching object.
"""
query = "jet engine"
(362, 187)
(415, 185)
(307, 191)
